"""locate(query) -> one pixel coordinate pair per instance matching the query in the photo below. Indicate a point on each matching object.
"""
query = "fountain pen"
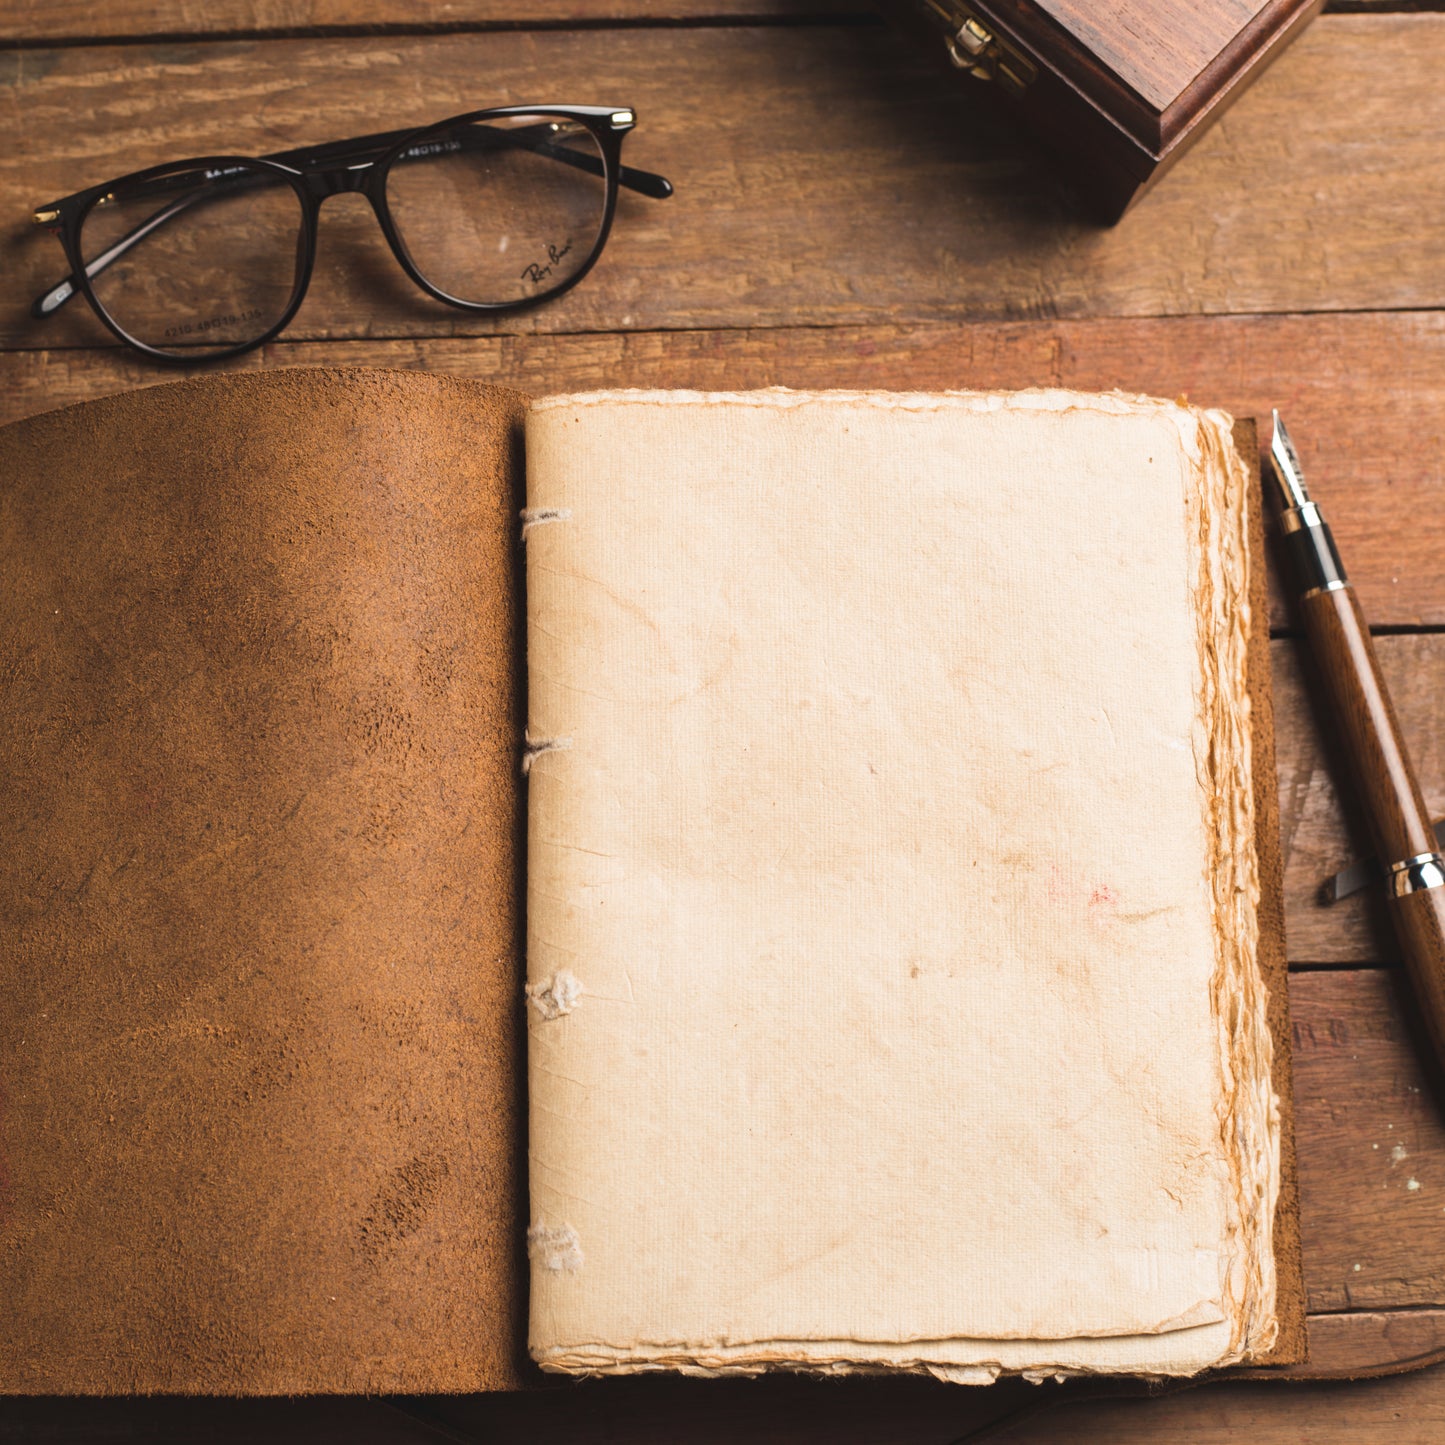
(1349, 673)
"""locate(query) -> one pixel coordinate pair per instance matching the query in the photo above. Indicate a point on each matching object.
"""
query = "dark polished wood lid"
(1154, 67)
(1156, 47)
(1121, 87)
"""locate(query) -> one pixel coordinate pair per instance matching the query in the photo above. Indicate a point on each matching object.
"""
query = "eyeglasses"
(489, 211)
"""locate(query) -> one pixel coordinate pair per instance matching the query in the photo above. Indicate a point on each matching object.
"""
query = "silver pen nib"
(1287, 469)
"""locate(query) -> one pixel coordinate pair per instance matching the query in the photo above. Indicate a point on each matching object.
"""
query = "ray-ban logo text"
(539, 271)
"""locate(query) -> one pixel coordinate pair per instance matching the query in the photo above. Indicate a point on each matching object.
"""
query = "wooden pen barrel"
(1399, 824)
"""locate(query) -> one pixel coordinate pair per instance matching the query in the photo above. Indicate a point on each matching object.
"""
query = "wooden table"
(845, 218)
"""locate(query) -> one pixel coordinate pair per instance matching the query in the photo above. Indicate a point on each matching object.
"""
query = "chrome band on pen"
(1415, 875)
(1313, 561)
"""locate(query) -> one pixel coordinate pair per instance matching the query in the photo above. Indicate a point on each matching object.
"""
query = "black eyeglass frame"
(314, 173)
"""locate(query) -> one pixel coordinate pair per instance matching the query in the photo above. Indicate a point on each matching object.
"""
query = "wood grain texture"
(31, 21)
(941, 211)
(1368, 1345)
(39, 21)
(1367, 1126)
(1156, 47)
(1408, 1410)
(1364, 395)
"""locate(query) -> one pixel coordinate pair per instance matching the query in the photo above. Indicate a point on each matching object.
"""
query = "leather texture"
(259, 889)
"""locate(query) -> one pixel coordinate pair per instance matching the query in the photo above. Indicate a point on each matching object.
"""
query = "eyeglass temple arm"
(53, 299)
(59, 294)
(645, 182)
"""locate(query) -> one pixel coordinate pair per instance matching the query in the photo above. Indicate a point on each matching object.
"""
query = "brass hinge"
(974, 47)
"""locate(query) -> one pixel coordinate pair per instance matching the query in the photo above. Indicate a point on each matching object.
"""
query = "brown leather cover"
(259, 905)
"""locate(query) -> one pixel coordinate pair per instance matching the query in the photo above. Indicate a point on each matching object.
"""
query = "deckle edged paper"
(891, 843)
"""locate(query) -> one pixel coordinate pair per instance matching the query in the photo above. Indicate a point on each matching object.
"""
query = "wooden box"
(1119, 88)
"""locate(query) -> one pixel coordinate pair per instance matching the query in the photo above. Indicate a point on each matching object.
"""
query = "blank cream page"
(891, 990)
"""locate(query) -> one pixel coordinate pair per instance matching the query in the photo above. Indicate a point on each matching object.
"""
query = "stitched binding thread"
(555, 1246)
(556, 997)
(531, 750)
(538, 516)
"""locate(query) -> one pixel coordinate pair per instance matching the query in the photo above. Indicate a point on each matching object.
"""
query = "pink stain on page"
(1065, 891)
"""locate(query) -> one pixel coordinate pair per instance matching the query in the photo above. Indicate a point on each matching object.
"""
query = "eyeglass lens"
(205, 259)
(500, 210)
(199, 261)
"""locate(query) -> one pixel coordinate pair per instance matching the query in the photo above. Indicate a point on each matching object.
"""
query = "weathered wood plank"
(1364, 394)
(1408, 1410)
(1371, 1146)
(1405, 1410)
(1382, 1343)
(40, 21)
(825, 176)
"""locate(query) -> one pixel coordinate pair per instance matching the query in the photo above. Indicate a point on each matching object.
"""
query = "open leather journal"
(890, 779)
